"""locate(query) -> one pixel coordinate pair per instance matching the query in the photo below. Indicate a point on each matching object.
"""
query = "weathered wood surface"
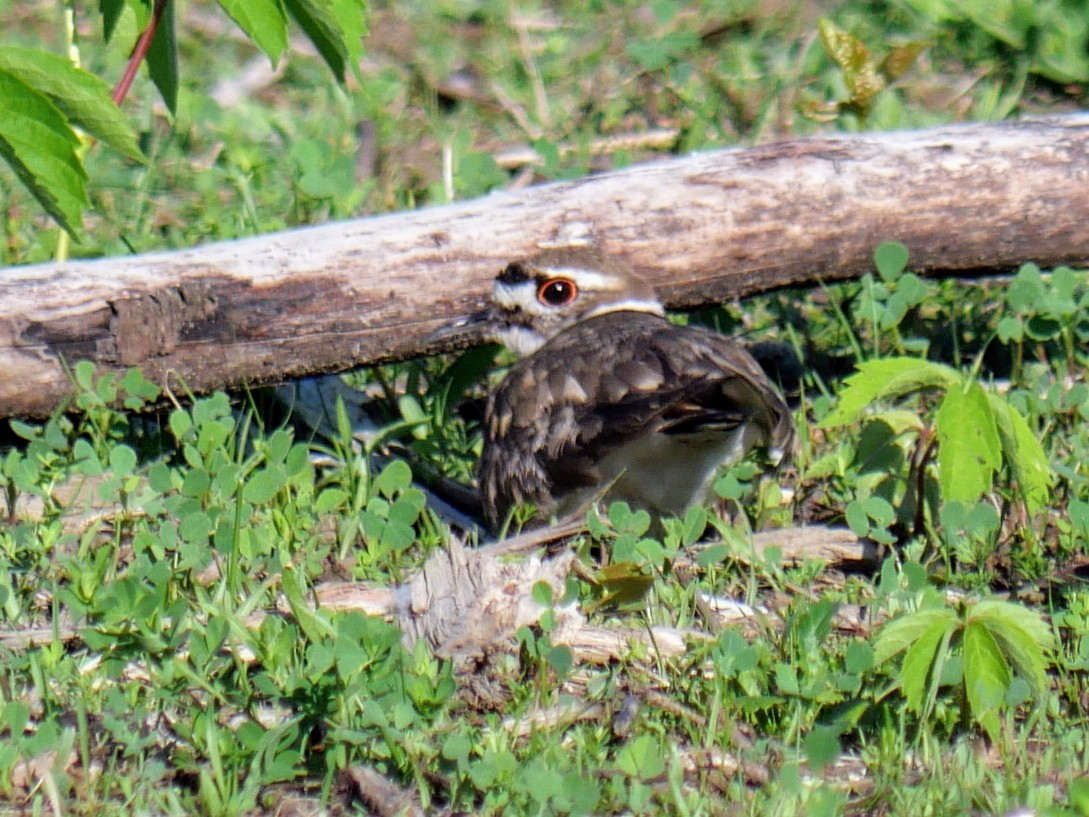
(709, 227)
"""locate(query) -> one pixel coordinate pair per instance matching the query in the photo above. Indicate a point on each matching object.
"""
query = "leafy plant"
(47, 101)
(995, 653)
(884, 302)
(44, 98)
(975, 431)
(1051, 310)
(864, 76)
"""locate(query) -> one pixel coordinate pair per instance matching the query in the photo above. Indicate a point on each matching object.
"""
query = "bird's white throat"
(521, 340)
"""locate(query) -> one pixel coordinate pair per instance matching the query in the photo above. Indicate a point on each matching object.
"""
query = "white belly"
(664, 473)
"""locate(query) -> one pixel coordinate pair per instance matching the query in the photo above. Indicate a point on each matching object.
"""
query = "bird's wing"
(558, 414)
(680, 381)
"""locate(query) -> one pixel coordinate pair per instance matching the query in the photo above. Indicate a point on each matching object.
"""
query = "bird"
(609, 400)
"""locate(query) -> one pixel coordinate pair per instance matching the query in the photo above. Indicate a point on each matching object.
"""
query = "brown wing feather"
(558, 412)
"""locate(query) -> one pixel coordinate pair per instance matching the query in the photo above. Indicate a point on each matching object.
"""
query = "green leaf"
(413, 414)
(622, 583)
(336, 28)
(264, 21)
(329, 500)
(111, 13)
(138, 388)
(80, 96)
(890, 259)
(351, 17)
(1078, 793)
(901, 633)
(159, 477)
(1024, 454)
(195, 528)
(122, 460)
(279, 444)
(405, 510)
(986, 676)
(1010, 328)
(195, 483)
(860, 71)
(37, 142)
(1023, 635)
(85, 458)
(856, 517)
(821, 746)
(890, 377)
(858, 657)
(84, 374)
(969, 449)
(263, 485)
(847, 50)
(1027, 290)
(920, 660)
(180, 423)
(395, 477)
(693, 525)
(162, 58)
(561, 660)
(641, 758)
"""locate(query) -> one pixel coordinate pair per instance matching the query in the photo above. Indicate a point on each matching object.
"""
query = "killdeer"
(609, 399)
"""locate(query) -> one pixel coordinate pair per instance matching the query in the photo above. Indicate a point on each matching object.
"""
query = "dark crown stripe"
(515, 273)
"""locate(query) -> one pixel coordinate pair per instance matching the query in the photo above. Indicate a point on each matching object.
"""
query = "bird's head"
(536, 298)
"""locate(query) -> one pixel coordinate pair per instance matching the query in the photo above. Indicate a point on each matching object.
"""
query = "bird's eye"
(557, 292)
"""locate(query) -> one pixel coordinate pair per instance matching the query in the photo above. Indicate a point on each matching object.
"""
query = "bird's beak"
(476, 327)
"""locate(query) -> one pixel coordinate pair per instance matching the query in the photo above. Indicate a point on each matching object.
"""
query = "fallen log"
(966, 200)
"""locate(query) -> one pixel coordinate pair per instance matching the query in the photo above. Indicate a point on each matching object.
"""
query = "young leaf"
(986, 675)
(859, 67)
(1024, 454)
(969, 450)
(847, 50)
(162, 58)
(40, 147)
(889, 377)
(82, 97)
(264, 21)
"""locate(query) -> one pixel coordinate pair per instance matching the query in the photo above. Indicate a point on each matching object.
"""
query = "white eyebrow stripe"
(633, 305)
(587, 278)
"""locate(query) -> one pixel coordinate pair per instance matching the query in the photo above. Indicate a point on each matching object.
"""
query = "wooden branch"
(709, 227)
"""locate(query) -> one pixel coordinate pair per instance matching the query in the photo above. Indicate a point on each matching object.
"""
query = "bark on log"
(710, 227)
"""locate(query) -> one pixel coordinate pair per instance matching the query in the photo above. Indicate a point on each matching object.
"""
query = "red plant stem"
(138, 53)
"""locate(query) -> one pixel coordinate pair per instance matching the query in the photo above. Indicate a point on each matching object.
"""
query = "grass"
(160, 677)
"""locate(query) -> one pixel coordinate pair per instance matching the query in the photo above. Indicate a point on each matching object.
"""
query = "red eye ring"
(557, 292)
